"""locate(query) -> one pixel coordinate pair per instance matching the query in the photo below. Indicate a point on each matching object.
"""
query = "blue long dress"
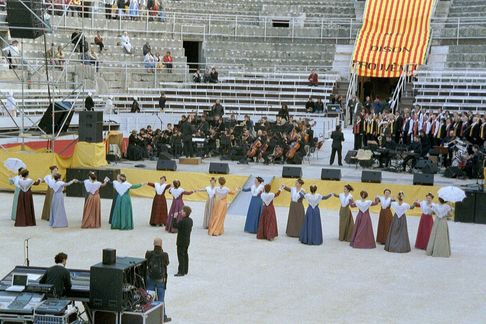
(57, 215)
(254, 210)
(14, 181)
(311, 232)
(122, 213)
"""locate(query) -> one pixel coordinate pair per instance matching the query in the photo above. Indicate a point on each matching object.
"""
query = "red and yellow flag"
(394, 33)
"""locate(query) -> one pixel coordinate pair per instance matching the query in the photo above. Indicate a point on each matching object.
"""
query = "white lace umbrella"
(451, 194)
(14, 164)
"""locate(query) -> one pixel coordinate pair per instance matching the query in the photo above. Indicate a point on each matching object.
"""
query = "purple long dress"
(57, 215)
(175, 207)
(363, 237)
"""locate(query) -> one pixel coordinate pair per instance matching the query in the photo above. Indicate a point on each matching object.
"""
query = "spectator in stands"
(162, 100)
(89, 102)
(11, 104)
(135, 106)
(168, 61)
(319, 106)
(12, 52)
(50, 55)
(207, 74)
(377, 105)
(125, 43)
(75, 5)
(313, 79)
(149, 62)
(121, 8)
(146, 48)
(109, 105)
(196, 77)
(161, 13)
(60, 56)
(90, 58)
(217, 110)
(368, 105)
(99, 41)
(309, 105)
(108, 7)
(133, 9)
(283, 112)
(213, 76)
(79, 41)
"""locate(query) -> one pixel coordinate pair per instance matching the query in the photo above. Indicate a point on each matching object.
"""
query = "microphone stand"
(26, 252)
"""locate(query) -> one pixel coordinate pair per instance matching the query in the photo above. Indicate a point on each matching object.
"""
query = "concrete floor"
(238, 279)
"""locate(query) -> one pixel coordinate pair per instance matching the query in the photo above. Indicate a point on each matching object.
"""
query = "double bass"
(294, 148)
(252, 152)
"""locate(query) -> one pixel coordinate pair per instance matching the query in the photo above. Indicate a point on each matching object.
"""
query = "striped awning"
(395, 33)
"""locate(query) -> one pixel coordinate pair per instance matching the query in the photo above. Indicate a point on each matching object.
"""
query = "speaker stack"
(331, 174)
(291, 172)
(371, 176)
(62, 117)
(219, 168)
(25, 23)
(425, 179)
(91, 126)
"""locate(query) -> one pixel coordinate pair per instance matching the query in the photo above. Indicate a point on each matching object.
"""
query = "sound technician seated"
(389, 146)
(415, 151)
(58, 276)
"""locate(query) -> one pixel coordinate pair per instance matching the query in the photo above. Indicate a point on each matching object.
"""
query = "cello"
(252, 152)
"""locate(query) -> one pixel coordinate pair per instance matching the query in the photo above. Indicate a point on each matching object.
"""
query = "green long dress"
(122, 213)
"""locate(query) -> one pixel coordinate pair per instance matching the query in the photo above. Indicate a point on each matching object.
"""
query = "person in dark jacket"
(337, 137)
(135, 106)
(89, 103)
(187, 132)
(162, 101)
(184, 228)
(58, 276)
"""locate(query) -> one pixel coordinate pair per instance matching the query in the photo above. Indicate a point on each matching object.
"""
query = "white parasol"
(451, 194)
(14, 164)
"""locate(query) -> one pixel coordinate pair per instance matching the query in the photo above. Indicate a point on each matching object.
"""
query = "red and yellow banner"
(395, 33)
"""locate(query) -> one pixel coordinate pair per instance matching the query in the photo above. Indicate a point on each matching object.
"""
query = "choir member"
(311, 232)
(346, 222)
(385, 218)
(57, 216)
(267, 226)
(296, 210)
(122, 213)
(255, 208)
(92, 204)
(397, 240)
(426, 221)
(25, 205)
(176, 206)
(46, 210)
(439, 244)
(15, 181)
(208, 207)
(158, 216)
(363, 237)
(216, 224)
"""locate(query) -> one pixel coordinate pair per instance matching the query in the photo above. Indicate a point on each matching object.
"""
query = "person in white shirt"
(255, 208)
(11, 104)
(363, 237)
(439, 243)
(125, 43)
(385, 218)
(426, 221)
(296, 210)
(346, 222)
(398, 240)
(311, 232)
(208, 207)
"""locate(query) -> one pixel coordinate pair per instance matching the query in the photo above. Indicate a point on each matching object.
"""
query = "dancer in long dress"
(25, 204)
(115, 197)
(426, 221)
(208, 207)
(15, 181)
(439, 243)
(176, 206)
(122, 213)
(311, 231)
(255, 208)
(398, 240)
(363, 237)
(92, 204)
(158, 215)
(46, 210)
(346, 223)
(267, 227)
(57, 217)
(296, 210)
(385, 218)
(216, 224)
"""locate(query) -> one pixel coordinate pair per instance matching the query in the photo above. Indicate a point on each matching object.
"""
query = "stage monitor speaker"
(22, 20)
(453, 172)
(464, 210)
(291, 172)
(331, 174)
(109, 256)
(169, 165)
(480, 208)
(425, 179)
(349, 155)
(62, 115)
(371, 176)
(91, 126)
(219, 168)
(78, 190)
(164, 155)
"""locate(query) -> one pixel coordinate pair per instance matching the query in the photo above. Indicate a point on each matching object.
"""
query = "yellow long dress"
(216, 223)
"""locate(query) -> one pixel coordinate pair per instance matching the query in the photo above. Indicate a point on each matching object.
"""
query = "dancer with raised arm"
(122, 213)
(92, 204)
(311, 232)
(25, 205)
(426, 221)
(220, 209)
(15, 181)
(177, 203)
(439, 243)
(46, 210)
(267, 227)
(158, 215)
(58, 217)
(385, 218)
(115, 197)
(296, 210)
(255, 208)
(208, 207)
(398, 240)
(363, 237)
(346, 223)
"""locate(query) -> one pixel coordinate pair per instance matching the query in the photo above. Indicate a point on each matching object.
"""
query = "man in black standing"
(187, 131)
(217, 110)
(184, 228)
(162, 101)
(58, 276)
(337, 145)
(89, 103)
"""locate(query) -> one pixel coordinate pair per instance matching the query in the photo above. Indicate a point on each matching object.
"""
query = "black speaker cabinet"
(464, 210)
(480, 208)
(164, 155)
(109, 256)
(62, 117)
(77, 189)
(371, 176)
(331, 174)
(425, 179)
(291, 172)
(105, 317)
(169, 165)
(349, 155)
(91, 126)
(219, 168)
(22, 22)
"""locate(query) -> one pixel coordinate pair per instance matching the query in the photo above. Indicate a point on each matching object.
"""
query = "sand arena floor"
(238, 279)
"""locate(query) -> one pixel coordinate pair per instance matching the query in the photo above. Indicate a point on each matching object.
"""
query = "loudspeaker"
(371, 176)
(350, 154)
(464, 210)
(91, 126)
(165, 155)
(219, 168)
(453, 172)
(105, 317)
(61, 115)
(480, 208)
(78, 190)
(22, 23)
(427, 166)
(331, 174)
(425, 179)
(170, 165)
(291, 172)
(109, 256)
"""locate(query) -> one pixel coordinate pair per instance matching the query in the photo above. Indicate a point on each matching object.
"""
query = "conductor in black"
(184, 228)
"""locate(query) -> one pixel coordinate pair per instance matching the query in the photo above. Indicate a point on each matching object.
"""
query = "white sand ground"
(238, 279)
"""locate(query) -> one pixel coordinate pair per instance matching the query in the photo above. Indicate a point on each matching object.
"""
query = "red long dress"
(425, 225)
(158, 215)
(267, 226)
(25, 205)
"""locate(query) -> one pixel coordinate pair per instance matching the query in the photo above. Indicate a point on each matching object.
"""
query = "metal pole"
(23, 96)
